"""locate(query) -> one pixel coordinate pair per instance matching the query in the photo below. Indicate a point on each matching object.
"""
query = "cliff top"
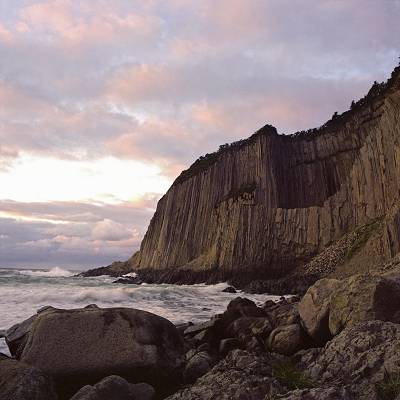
(376, 92)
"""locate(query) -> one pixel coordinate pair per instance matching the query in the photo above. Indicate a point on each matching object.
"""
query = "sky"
(103, 103)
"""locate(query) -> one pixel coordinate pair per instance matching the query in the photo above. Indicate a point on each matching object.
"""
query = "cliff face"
(272, 202)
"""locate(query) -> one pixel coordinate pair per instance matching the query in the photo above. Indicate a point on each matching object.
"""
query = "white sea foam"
(24, 292)
(131, 274)
(55, 272)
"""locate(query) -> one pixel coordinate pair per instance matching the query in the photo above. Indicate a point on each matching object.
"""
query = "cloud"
(78, 235)
(110, 231)
(163, 83)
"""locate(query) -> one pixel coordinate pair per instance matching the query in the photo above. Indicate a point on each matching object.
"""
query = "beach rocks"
(314, 309)
(19, 381)
(115, 388)
(288, 339)
(364, 297)
(241, 375)
(82, 346)
(198, 365)
(362, 356)
(326, 393)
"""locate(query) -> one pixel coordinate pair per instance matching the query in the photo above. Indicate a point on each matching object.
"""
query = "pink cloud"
(85, 22)
(5, 35)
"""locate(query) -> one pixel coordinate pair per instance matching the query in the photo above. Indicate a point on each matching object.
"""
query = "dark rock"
(198, 365)
(182, 327)
(229, 289)
(325, 393)
(115, 388)
(226, 345)
(196, 328)
(17, 335)
(288, 339)
(239, 376)
(79, 347)
(361, 356)
(283, 314)
(246, 329)
(314, 309)
(129, 280)
(268, 304)
(116, 269)
(204, 347)
(19, 381)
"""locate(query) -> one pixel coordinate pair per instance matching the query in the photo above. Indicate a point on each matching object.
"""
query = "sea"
(24, 291)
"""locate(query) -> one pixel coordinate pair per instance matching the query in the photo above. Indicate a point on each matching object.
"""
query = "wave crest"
(55, 272)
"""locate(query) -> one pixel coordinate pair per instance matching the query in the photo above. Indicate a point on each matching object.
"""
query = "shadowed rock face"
(272, 202)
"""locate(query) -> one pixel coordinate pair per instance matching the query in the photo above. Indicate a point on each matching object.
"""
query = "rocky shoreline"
(249, 281)
(341, 340)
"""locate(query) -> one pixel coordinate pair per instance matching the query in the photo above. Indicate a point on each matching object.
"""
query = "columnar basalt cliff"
(272, 202)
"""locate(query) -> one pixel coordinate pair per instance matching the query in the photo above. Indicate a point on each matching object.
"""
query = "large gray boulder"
(314, 309)
(115, 388)
(363, 298)
(361, 356)
(19, 381)
(82, 346)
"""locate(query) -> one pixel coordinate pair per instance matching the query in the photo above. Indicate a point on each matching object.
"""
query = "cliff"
(272, 202)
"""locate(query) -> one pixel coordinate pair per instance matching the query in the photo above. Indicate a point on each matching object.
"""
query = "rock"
(17, 335)
(229, 289)
(226, 345)
(283, 314)
(268, 304)
(288, 339)
(198, 365)
(361, 356)
(248, 328)
(129, 280)
(364, 297)
(328, 393)
(115, 388)
(239, 376)
(196, 328)
(82, 346)
(314, 309)
(183, 326)
(19, 381)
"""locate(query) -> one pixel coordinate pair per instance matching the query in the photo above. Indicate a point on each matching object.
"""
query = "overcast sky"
(103, 103)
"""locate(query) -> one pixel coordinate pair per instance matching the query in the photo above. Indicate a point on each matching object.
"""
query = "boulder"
(250, 331)
(227, 345)
(239, 376)
(326, 393)
(19, 381)
(314, 309)
(361, 356)
(82, 346)
(115, 388)
(198, 365)
(283, 313)
(288, 339)
(362, 298)
(229, 289)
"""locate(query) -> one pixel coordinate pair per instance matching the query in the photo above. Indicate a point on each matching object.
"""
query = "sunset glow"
(103, 104)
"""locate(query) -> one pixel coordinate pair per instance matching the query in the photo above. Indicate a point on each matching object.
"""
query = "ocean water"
(23, 292)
